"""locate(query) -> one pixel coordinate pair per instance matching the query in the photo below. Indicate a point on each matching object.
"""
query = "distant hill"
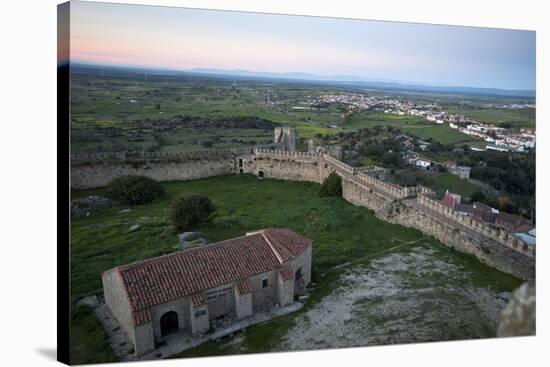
(359, 81)
(350, 80)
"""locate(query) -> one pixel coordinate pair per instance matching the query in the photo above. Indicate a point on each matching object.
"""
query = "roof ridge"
(277, 254)
(171, 254)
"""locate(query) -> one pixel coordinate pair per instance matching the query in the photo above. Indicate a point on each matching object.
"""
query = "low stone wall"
(98, 174)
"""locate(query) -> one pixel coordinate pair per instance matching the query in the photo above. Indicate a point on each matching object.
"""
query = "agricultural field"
(116, 113)
(505, 117)
(120, 111)
(392, 284)
(414, 125)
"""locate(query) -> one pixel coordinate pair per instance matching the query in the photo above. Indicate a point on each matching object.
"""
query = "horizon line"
(218, 71)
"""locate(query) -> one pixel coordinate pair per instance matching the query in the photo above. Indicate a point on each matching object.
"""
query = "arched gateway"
(169, 323)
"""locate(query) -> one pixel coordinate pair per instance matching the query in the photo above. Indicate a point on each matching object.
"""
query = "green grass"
(341, 233)
(525, 117)
(104, 118)
(414, 125)
(89, 342)
(455, 184)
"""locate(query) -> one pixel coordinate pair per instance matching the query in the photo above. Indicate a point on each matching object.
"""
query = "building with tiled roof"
(193, 290)
(450, 199)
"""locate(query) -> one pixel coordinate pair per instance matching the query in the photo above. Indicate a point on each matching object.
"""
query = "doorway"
(169, 323)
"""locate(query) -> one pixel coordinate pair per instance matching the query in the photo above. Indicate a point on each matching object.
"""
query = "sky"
(183, 39)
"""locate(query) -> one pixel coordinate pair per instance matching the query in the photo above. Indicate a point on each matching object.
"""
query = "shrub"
(477, 196)
(134, 190)
(332, 186)
(191, 210)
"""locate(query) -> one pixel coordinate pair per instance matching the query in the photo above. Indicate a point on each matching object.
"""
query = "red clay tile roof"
(286, 273)
(510, 219)
(450, 200)
(183, 273)
(141, 317)
(198, 299)
(244, 287)
(288, 244)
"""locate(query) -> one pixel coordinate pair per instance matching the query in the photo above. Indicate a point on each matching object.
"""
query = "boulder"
(90, 301)
(519, 316)
(85, 206)
(189, 236)
(191, 239)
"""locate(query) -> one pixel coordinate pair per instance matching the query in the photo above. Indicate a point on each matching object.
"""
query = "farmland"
(122, 110)
(414, 125)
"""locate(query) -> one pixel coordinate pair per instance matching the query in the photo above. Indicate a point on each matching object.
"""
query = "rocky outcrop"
(519, 316)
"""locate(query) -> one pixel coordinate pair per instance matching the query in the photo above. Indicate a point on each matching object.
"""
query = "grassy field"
(455, 184)
(414, 125)
(342, 233)
(116, 113)
(525, 117)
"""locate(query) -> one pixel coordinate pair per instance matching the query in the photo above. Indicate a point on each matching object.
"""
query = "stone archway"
(169, 323)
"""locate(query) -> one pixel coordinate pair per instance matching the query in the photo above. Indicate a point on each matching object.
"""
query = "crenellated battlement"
(498, 234)
(195, 154)
(284, 153)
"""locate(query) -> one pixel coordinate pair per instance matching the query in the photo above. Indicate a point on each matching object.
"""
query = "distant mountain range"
(351, 80)
(360, 81)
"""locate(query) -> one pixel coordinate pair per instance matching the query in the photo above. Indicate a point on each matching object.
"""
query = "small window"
(265, 283)
(298, 274)
(240, 162)
(200, 313)
(261, 174)
(240, 170)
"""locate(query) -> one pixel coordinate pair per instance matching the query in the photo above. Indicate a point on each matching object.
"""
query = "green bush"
(134, 190)
(332, 186)
(190, 210)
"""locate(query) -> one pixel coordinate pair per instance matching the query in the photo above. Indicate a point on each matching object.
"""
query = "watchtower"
(286, 137)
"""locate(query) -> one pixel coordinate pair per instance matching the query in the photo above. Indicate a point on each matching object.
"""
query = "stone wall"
(304, 261)
(495, 247)
(488, 249)
(98, 174)
(115, 297)
(264, 298)
(285, 290)
(180, 306)
(243, 304)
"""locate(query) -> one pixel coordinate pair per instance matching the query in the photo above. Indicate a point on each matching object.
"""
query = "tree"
(332, 186)
(505, 204)
(134, 190)
(477, 196)
(191, 210)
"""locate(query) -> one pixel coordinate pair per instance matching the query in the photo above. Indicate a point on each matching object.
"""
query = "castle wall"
(492, 246)
(282, 165)
(511, 259)
(98, 174)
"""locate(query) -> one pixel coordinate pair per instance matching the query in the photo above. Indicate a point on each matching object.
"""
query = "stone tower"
(286, 137)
